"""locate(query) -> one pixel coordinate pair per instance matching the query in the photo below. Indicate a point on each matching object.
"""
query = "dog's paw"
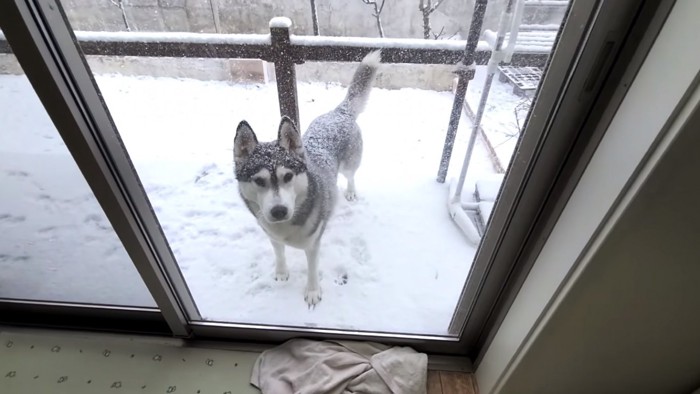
(350, 195)
(282, 275)
(312, 296)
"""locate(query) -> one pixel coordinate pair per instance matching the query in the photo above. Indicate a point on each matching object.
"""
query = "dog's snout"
(279, 212)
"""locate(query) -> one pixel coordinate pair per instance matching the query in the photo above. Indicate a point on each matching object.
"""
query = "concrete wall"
(338, 17)
(393, 76)
(400, 18)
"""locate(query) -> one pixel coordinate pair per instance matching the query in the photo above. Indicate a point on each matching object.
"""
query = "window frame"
(531, 206)
(60, 76)
(579, 90)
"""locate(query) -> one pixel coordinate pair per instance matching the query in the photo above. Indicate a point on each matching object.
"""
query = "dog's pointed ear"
(244, 143)
(288, 137)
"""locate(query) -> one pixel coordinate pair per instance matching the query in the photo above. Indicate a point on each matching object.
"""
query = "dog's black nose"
(279, 212)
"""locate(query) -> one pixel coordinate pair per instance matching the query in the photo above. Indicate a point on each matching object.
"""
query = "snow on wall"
(280, 22)
(539, 41)
(435, 77)
(551, 3)
(194, 38)
(404, 43)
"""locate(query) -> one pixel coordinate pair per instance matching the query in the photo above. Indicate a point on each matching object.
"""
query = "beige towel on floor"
(302, 366)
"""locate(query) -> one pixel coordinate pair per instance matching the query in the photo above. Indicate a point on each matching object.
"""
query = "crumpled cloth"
(302, 366)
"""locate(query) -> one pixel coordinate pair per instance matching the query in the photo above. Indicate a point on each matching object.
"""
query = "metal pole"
(495, 59)
(465, 73)
(314, 17)
(214, 5)
(472, 137)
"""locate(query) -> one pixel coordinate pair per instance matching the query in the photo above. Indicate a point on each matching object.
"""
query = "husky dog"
(290, 185)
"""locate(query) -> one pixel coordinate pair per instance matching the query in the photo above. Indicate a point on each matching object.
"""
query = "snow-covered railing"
(549, 3)
(302, 48)
(534, 41)
(285, 50)
(191, 45)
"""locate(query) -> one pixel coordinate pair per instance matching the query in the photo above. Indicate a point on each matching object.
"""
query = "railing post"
(285, 72)
(314, 17)
(466, 73)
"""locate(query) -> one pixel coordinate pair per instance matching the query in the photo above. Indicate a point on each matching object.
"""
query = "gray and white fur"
(290, 185)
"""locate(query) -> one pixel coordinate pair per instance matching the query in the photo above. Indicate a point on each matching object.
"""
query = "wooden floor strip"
(434, 384)
(456, 383)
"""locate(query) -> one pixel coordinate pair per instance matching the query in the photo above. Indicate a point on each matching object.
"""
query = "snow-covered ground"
(391, 261)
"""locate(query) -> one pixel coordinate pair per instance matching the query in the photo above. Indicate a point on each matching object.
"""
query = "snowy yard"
(391, 261)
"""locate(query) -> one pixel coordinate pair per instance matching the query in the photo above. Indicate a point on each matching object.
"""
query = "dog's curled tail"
(358, 92)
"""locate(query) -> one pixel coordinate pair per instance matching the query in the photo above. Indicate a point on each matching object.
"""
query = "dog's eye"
(287, 177)
(259, 181)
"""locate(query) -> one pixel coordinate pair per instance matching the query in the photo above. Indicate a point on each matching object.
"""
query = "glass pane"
(392, 259)
(56, 244)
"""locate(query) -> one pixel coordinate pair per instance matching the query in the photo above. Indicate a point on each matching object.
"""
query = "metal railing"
(286, 50)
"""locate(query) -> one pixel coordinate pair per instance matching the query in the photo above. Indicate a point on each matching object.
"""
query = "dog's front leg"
(312, 295)
(281, 271)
